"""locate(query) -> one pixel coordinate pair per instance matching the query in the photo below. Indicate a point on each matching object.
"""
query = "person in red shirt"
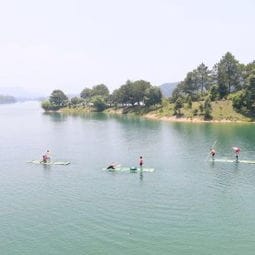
(237, 152)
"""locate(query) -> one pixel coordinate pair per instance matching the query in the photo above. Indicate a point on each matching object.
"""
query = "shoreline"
(190, 120)
(152, 116)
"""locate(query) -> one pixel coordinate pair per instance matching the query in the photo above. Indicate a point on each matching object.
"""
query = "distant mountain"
(167, 88)
(20, 93)
(7, 99)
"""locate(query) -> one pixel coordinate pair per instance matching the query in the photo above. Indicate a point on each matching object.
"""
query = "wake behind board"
(39, 162)
(130, 169)
(234, 161)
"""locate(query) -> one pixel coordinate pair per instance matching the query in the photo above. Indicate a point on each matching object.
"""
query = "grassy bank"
(222, 111)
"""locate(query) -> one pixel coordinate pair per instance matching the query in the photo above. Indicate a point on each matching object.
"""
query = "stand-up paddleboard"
(49, 163)
(130, 169)
(234, 161)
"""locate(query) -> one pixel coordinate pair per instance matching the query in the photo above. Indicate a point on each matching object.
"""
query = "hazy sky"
(73, 44)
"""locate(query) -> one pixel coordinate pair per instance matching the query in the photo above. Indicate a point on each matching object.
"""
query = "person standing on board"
(213, 153)
(141, 162)
(46, 157)
(237, 151)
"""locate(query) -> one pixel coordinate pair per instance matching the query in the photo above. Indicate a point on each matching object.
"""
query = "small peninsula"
(225, 93)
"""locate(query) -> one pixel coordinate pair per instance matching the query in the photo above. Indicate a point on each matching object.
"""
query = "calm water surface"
(187, 206)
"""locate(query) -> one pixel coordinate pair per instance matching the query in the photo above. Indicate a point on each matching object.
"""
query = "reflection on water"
(100, 116)
(56, 116)
(141, 174)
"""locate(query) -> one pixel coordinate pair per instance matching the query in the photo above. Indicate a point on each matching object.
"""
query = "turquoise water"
(188, 205)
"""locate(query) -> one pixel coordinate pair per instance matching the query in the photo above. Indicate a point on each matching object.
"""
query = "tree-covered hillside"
(202, 90)
(228, 79)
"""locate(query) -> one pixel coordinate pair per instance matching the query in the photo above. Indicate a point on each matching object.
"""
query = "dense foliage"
(227, 80)
(130, 94)
(57, 100)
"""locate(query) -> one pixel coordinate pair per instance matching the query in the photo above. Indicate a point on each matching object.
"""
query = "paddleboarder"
(141, 161)
(213, 153)
(237, 152)
(46, 157)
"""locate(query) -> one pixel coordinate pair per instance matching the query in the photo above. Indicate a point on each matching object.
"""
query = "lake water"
(188, 205)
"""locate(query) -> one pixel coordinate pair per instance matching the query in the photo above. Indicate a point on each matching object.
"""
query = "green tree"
(239, 100)
(207, 108)
(214, 92)
(201, 108)
(115, 97)
(153, 96)
(46, 105)
(178, 105)
(58, 99)
(99, 103)
(250, 94)
(138, 89)
(86, 94)
(76, 101)
(177, 92)
(189, 101)
(126, 93)
(228, 75)
(131, 92)
(203, 77)
(100, 90)
(190, 85)
(249, 70)
(194, 84)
